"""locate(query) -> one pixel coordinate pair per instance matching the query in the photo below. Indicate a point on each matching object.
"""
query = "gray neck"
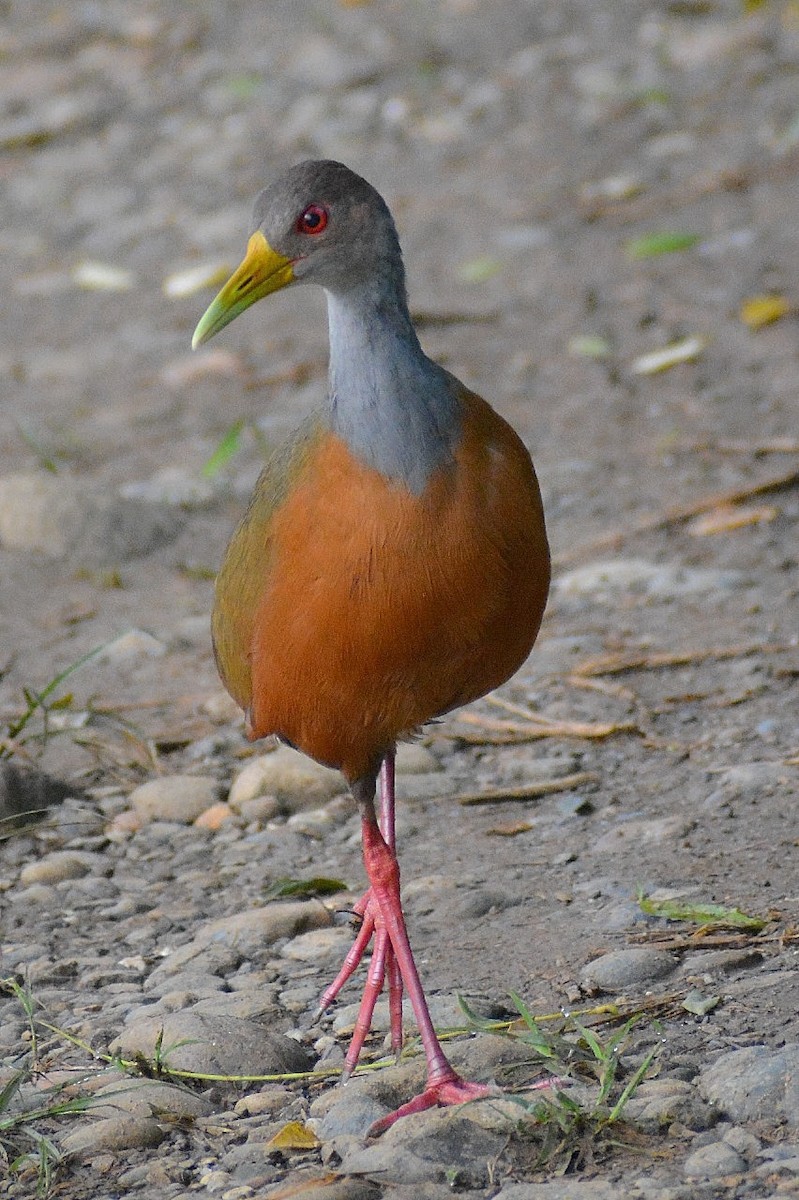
(396, 410)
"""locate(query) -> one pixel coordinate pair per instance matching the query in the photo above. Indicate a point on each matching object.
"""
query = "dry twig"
(680, 513)
(528, 791)
(641, 660)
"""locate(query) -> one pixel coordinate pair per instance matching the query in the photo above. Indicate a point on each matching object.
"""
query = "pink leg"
(388, 829)
(444, 1085)
(383, 960)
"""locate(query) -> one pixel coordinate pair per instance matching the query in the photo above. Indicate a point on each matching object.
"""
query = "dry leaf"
(758, 311)
(293, 1136)
(509, 830)
(669, 356)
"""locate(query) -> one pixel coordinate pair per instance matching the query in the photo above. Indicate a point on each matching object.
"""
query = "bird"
(393, 562)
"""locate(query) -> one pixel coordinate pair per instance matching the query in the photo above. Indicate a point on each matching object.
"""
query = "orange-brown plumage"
(370, 610)
(392, 564)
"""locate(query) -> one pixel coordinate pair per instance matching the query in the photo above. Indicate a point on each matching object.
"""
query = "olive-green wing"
(244, 574)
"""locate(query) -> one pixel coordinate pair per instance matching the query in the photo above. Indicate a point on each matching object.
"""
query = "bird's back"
(350, 610)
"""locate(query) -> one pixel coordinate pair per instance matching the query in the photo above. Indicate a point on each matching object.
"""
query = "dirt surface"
(521, 154)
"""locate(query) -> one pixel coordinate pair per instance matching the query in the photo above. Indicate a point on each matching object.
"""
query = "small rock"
(713, 1161)
(41, 894)
(131, 648)
(624, 969)
(490, 1058)
(743, 1141)
(41, 511)
(148, 1098)
(215, 1182)
(413, 759)
(255, 928)
(658, 1103)
(755, 1084)
(221, 708)
(181, 798)
(423, 1146)
(703, 962)
(119, 530)
(314, 823)
(203, 959)
(642, 832)
(352, 1115)
(258, 810)
(318, 945)
(250, 1006)
(214, 817)
(212, 1044)
(324, 63)
(268, 1100)
(59, 865)
(293, 779)
(123, 1132)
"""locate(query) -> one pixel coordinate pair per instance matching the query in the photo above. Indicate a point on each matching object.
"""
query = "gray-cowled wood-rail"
(393, 561)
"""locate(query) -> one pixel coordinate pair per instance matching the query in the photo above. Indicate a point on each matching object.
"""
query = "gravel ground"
(523, 154)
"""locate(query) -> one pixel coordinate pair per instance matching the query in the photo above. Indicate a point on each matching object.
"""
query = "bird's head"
(319, 223)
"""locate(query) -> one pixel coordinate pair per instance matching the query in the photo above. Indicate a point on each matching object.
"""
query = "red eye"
(313, 220)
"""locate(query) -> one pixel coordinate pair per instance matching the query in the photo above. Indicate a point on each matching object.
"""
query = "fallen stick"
(615, 664)
(680, 513)
(512, 732)
(528, 791)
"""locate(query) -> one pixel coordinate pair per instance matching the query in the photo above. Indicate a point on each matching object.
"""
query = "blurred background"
(579, 185)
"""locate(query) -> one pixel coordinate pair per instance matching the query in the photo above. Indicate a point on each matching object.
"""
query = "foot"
(443, 1092)
(383, 923)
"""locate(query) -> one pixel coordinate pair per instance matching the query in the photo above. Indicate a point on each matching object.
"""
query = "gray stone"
(712, 1161)
(179, 798)
(755, 1084)
(41, 894)
(742, 1140)
(57, 866)
(624, 969)
(40, 511)
(250, 1006)
(130, 649)
(658, 1103)
(414, 759)
(249, 931)
(424, 1146)
(119, 530)
(293, 779)
(148, 1098)
(352, 1115)
(641, 833)
(266, 1101)
(211, 1044)
(318, 945)
(124, 1132)
(195, 958)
